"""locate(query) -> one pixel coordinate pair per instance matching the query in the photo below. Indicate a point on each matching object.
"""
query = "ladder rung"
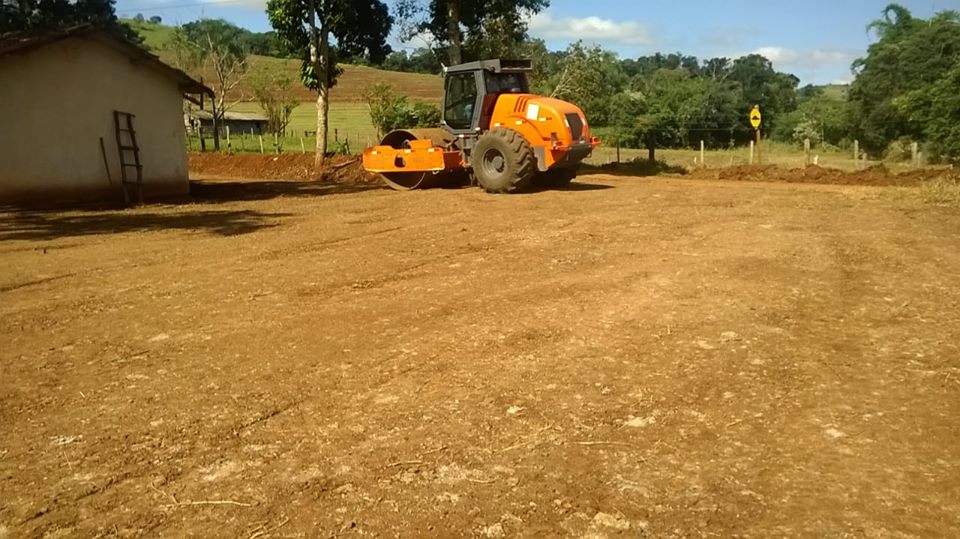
(134, 165)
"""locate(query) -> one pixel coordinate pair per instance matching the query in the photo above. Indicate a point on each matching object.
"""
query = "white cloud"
(593, 29)
(777, 55)
(258, 5)
(790, 58)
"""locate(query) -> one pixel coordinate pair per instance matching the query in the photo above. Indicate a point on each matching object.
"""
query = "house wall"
(55, 104)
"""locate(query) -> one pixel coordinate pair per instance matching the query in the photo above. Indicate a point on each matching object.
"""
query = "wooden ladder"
(127, 147)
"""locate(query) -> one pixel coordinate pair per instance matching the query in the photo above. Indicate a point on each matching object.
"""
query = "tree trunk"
(323, 99)
(216, 126)
(323, 106)
(319, 58)
(453, 31)
(651, 148)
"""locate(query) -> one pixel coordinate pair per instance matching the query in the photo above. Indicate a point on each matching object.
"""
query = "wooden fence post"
(856, 153)
(303, 149)
(751, 152)
(203, 145)
(261, 142)
(806, 152)
(702, 162)
(759, 147)
(229, 146)
(914, 153)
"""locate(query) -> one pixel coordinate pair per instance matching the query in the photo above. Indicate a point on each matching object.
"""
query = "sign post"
(755, 120)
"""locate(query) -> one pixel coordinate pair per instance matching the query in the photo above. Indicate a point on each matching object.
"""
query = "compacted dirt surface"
(636, 357)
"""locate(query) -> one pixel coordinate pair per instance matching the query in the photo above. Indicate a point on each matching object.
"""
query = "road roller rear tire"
(503, 161)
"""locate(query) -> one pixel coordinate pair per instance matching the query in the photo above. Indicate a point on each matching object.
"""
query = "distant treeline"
(905, 91)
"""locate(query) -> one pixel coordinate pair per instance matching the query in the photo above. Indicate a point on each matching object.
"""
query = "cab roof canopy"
(496, 66)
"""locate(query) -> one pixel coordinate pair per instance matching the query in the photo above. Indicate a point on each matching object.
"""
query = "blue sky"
(814, 39)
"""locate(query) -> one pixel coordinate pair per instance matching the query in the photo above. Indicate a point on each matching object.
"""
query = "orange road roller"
(494, 131)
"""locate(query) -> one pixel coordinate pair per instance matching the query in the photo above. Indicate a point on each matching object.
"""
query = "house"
(64, 100)
(236, 122)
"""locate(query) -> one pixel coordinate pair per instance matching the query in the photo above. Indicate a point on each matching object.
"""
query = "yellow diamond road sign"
(755, 117)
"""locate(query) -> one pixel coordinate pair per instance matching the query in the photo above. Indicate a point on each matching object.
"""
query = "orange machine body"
(556, 130)
(419, 156)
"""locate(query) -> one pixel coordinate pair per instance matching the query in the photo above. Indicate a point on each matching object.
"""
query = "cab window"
(505, 83)
(461, 100)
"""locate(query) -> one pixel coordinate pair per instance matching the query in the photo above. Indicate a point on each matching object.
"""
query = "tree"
(774, 92)
(360, 28)
(156, 19)
(448, 20)
(674, 101)
(39, 15)
(716, 68)
(822, 116)
(934, 111)
(910, 59)
(389, 110)
(421, 60)
(272, 91)
(647, 65)
(588, 77)
(215, 45)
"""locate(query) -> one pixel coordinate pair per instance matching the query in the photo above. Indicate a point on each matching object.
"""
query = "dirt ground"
(288, 166)
(636, 357)
(876, 175)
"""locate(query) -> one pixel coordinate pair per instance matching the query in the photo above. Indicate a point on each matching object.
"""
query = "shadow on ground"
(578, 185)
(239, 190)
(48, 225)
(533, 188)
(635, 168)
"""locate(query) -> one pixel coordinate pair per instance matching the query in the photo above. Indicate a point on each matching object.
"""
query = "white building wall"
(55, 104)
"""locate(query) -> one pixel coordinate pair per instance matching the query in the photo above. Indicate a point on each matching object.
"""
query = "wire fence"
(305, 142)
(768, 153)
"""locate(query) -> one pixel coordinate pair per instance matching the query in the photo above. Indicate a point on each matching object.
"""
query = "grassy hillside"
(353, 81)
(349, 88)
(155, 36)
(347, 121)
(837, 92)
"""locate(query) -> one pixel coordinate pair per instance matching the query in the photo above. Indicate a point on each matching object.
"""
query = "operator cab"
(471, 90)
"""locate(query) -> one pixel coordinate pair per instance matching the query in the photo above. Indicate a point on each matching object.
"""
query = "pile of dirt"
(288, 166)
(877, 175)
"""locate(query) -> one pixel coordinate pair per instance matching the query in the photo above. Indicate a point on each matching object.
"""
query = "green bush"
(389, 110)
